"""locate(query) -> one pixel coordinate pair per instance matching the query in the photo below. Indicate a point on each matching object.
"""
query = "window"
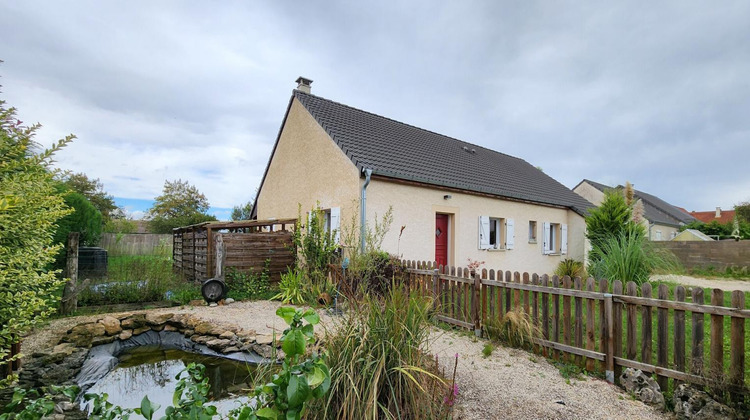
(658, 235)
(495, 233)
(532, 231)
(331, 220)
(555, 239)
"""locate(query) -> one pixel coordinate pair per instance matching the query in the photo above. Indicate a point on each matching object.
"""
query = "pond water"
(151, 370)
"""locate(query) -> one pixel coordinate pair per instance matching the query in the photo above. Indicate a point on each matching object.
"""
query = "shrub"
(290, 288)
(245, 285)
(632, 258)
(378, 368)
(570, 267)
(611, 219)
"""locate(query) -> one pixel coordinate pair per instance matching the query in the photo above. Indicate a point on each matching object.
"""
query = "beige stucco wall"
(666, 232)
(307, 167)
(415, 207)
(590, 193)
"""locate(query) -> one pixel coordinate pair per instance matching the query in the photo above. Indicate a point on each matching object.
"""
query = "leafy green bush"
(378, 367)
(245, 285)
(570, 267)
(36, 404)
(290, 288)
(611, 219)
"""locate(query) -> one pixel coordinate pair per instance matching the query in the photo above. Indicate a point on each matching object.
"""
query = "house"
(662, 220)
(721, 216)
(456, 200)
(692, 235)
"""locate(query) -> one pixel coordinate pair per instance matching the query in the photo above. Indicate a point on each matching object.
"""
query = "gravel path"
(515, 384)
(723, 284)
(509, 384)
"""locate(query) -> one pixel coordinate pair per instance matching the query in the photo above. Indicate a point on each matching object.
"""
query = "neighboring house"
(455, 199)
(692, 235)
(723, 217)
(662, 220)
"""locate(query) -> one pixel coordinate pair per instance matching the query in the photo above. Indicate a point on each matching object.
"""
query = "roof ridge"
(406, 124)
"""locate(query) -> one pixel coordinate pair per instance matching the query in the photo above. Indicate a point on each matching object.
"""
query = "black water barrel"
(92, 262)
(214, 290)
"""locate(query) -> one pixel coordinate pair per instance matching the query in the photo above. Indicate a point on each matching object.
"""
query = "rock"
(228, 335)
(228, 301)
(133, 322)
(170, 328)
(125, 334)
(158, 319)
(218, 344)
(179, 320)
(197, 302)
(213, 304)
(231, 349)
(204, 328)
(643, 387)
(82, 335)
(188, 333)
(263, 350)
(124, 315)
(264, 339)
(201, 339)
(193, 321)
(690, 403)
(141, 330)
(157, 328)
(97, 341)
(111, 325)
(66, 348)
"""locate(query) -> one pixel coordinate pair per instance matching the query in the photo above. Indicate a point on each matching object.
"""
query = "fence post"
(609, 350)
(436, 288)
(475, 305)
(69, 302)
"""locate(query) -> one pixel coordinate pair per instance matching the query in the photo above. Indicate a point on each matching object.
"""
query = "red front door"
(441, 239)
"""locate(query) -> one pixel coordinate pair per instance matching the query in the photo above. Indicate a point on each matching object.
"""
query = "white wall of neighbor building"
(590, 193)
(415, 207)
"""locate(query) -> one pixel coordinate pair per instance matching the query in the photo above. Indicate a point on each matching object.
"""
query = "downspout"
(363, 210)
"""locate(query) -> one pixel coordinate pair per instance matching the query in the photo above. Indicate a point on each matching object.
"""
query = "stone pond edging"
(67, 362)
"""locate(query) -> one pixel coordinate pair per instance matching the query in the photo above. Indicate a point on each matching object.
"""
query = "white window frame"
(555, 239)
(331, 221)
(532, 231)
(504, 233)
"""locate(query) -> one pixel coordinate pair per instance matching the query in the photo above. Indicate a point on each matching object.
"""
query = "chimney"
(303, 84)
(718, 212)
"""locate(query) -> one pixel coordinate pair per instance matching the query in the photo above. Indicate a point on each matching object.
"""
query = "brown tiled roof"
(727, 216)
(401, 151)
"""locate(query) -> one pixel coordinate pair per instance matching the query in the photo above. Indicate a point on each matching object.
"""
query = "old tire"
(214, 290)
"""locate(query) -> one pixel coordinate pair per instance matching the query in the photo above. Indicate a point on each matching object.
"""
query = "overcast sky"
(655, 93)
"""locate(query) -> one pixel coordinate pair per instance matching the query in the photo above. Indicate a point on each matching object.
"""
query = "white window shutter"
(545, 239)
(309, 220)
(484, 232)
(564, 239)
(336, 223)
(509, 234)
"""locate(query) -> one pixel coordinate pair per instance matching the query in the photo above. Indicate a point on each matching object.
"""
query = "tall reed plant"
(632, 258)
(378, 367)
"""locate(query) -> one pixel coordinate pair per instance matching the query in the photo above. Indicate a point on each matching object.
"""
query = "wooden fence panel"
(617, 326)
(679, 331)
(662, 341)
(737, 343)
(646, 334)
(631, 348)
(590, 324)
(696, 355)
(717, 335)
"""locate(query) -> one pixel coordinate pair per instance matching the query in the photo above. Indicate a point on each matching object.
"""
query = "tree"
(93, 190)
(85, 219)
(243, 211)
(742, 211)
(612, 219)
(180, 204)
(30, 205)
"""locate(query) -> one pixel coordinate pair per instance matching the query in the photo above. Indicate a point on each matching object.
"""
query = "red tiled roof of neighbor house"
(725, 216)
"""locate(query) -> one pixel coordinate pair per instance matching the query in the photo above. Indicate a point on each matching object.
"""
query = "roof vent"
(473, 150)
(466, 149)
(303, 84)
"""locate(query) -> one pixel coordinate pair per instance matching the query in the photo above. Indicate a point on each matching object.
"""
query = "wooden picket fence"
(601, 326)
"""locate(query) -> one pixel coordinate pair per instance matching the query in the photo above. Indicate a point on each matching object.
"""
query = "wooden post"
(69, 302)
(221, 255)
(696, 363)
(679, 331)
(475, 305)
(737, 345)
(603, 288)
(609, 350)
(717, 336)
(555, 314)
(617, 326)
(662, 337)
(590, 327)
(436, 289)
(646, 334)
(545, 313)
(579, 319)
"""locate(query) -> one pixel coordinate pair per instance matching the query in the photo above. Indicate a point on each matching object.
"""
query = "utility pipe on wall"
(363, 210)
